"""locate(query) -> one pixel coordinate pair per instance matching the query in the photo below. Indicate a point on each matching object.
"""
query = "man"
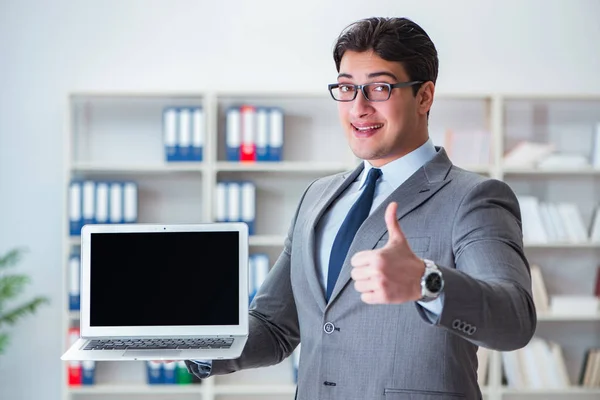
(395, 306)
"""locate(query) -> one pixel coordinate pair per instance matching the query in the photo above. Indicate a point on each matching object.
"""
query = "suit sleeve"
(487, 296)
(273, 321)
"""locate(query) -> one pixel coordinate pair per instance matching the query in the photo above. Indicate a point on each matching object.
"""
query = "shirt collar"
(398, 171)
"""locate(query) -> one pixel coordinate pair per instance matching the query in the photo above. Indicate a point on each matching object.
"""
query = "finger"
(369, 298)
(358, 274)
(366, 285)
(395, 234)
(361, 259)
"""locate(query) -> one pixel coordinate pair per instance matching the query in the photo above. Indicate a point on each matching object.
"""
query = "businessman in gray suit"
(393, 274)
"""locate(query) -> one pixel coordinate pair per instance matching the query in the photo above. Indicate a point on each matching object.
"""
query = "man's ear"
(425, 97)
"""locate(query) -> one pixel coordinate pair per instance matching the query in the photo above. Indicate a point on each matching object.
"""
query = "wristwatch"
(432, 282)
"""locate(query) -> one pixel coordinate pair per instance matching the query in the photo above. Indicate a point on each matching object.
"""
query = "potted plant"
(11, 286)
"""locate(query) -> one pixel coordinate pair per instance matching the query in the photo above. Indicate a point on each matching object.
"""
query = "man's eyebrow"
(371, 75)
(382, 73)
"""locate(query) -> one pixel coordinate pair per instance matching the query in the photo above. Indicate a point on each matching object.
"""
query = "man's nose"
(360, 105)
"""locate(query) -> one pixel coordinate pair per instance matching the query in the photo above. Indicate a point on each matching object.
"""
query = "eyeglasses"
(371, 91)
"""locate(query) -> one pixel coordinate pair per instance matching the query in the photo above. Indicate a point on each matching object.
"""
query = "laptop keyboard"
(154, 344)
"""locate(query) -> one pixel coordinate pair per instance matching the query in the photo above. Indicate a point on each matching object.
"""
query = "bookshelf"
(118, 136)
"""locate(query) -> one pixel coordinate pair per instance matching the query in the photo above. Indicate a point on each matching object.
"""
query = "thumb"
(395, 234)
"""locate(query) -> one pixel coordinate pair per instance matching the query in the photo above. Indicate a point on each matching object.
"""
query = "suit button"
(328, 328)
(472, 330)
(456, 323)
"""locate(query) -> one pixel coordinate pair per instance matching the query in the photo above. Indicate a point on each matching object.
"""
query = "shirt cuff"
(433, 309)
(204, 368)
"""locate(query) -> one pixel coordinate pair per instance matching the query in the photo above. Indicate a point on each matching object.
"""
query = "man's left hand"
(391, 274)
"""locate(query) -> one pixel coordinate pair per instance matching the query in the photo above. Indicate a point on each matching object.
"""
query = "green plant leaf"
(11, 286)
(12, 316)
(12, 257)
(3, 342)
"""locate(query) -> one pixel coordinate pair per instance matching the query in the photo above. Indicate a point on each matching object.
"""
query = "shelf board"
(568, 391)
(549, 317)
(588, 171)
(562, 245)
(283, 166)
(266, 240)
(142, 388)
(138, 169)
(255, 389)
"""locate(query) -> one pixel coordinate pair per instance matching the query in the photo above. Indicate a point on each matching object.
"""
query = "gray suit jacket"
(469, 225)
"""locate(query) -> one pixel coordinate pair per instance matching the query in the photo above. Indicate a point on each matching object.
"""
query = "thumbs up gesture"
(391, 274)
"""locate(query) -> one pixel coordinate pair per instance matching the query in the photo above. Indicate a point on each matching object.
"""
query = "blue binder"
(184, 134)
(262, 134)
(155, 372)
(276, 134)
(75, 208)
(88, 371)
(170, 376)
(115, 205)
(170, 133)
(222, 203)
(74, 282)
(88, 211)
(198, 134)
(233, 133)
(248, 205)
(101, 203)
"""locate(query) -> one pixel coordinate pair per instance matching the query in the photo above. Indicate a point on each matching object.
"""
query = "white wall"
(48, 49)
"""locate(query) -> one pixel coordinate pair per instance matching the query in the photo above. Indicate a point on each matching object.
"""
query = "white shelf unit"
(119, 135)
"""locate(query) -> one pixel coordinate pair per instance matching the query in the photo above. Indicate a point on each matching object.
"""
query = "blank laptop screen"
(161, 279)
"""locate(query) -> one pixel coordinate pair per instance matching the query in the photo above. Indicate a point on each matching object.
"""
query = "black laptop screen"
(170, 278)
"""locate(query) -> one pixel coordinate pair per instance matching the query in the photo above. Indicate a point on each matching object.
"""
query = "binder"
(74, 282)
(251, 278)
(170, 133)
(88, 369)
(75, 208)
(130, 203)
(169, 373)
(233, 134)
(184, 148)
(116, 203)
(101, 214)
(183, 376)
(248, 148)
(221, 202)
(198, 130)
(73, 367)
(248, 203)
(262, 134)
(155, 372)
(233, 202)
(88, 198)
(261, 262)
(258, 271)
(276, 134)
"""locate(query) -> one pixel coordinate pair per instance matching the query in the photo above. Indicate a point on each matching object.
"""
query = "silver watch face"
(433, 282)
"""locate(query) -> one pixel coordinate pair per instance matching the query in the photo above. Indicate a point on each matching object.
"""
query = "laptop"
(162, 292)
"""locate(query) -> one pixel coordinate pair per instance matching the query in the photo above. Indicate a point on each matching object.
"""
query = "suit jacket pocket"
(418, 244)
(409, 394)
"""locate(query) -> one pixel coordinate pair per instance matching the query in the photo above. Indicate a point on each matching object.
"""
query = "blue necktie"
(356, 216)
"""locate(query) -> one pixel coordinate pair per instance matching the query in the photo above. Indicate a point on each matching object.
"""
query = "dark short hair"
(392, 39)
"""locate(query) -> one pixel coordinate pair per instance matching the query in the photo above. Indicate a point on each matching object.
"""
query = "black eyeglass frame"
(390, 86)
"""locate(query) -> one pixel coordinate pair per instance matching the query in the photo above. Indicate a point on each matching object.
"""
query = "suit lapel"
(416, 190)
(335, 188)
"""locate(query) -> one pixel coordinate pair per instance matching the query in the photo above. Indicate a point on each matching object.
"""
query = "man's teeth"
(365, 128)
